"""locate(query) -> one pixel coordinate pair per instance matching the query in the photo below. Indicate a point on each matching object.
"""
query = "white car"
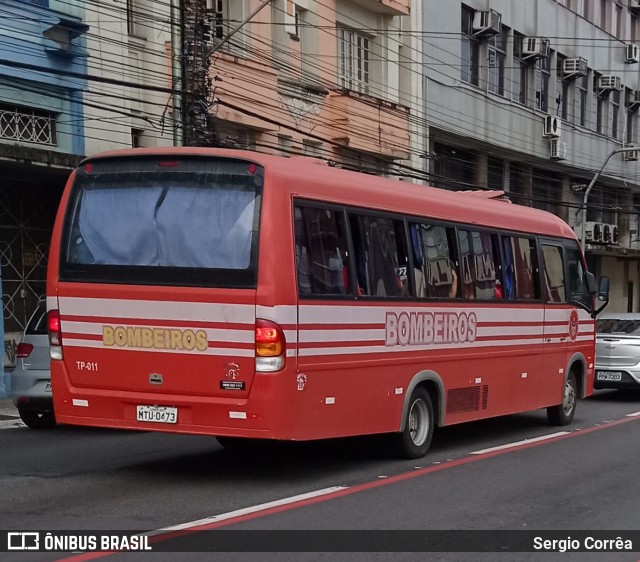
(618, 351)
(31, 379)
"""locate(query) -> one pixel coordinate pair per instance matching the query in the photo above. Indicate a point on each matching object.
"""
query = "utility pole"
(199, 43)
(198, 124)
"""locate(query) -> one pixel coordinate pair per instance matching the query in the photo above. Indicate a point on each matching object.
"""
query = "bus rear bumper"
(197, 415)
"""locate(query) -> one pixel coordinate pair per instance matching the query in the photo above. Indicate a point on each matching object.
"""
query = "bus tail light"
(55, 334)
(270, 347)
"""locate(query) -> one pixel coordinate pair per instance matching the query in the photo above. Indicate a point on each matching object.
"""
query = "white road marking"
(633, 415)
(246, 510)
(518, 443)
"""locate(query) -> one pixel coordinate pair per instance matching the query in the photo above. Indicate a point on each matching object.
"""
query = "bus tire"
(414, 440)
(563, 413)
(37, 419)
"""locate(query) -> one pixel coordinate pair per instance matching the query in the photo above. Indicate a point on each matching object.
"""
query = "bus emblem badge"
(573, 324)
(302, 380)
(232, 371)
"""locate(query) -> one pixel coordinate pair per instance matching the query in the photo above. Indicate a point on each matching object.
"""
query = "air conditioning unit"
(574, 68)
(631, 156)
(535, 48)
(486, 23)
(632, 53)
(593, 231)
(608, 83)
(609, 233)
(634, 99)
(557, 149)
(551, 127)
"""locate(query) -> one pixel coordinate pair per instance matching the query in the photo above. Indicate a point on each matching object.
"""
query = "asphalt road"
(77, 478)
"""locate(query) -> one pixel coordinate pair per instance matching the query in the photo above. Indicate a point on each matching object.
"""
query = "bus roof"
(323, 182)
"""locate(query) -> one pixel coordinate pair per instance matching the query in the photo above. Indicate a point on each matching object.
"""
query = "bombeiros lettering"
(426, 328)
(155, 338)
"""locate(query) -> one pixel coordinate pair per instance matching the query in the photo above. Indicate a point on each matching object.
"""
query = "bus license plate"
(609, 376)
(157, 414)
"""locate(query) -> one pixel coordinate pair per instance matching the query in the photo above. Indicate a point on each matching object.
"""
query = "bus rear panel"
(153, 310)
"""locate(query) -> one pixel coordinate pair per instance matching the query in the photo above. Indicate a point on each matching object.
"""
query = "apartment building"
(323, 79)
(532, 98)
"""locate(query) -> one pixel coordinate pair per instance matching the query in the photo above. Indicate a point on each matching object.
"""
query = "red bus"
(242, 295)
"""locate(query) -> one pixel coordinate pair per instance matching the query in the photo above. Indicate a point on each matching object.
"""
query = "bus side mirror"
(603, 289)
(603, 295)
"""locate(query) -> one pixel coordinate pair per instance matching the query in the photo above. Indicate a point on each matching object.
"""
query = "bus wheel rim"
(569, 398)
(418, 422)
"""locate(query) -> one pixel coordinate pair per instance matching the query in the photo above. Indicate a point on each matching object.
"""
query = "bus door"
(556, 322)
(521, 285)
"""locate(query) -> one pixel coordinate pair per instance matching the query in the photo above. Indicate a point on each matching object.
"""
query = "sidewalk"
(7, 410)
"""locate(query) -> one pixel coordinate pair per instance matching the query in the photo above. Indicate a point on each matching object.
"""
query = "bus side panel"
(568, 330)
(356, 372)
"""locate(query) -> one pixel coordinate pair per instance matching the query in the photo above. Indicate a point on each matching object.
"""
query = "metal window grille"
(27, 125)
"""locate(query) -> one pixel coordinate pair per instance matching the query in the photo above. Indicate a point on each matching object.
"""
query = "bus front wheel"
(414, 440)
(562, 414)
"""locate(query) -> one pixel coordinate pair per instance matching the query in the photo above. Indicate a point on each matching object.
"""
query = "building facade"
(43, 62)
(76, 78)
(322, 79)
(532, 98)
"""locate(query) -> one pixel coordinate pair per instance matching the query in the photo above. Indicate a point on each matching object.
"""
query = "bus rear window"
(142, 221)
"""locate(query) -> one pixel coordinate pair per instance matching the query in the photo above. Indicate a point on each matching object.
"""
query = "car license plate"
(609, 376)
(47, 386)
(157, 414)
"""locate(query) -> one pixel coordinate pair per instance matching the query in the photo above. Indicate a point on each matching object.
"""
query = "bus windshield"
(154, 219)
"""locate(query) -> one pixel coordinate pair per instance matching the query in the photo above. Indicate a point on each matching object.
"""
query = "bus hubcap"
(569, 398)
(418, 422)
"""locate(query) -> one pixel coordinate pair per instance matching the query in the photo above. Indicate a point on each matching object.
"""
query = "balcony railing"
(27, 125)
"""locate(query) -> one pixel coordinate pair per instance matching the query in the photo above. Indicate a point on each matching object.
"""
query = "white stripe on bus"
(225, 351)
(366, 350)
(158, 310)
(281, 314)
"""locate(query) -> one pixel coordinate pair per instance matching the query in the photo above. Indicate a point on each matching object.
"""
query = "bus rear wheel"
(36, 419)
(414, 440)
(562, 414)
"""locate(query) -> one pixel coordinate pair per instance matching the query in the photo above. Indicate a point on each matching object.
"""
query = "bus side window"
(380, 255)
(520, 266)
(321, 258)
(576, 278)
(481, 265)
(553, 273)
(433, 249)
(302, 254)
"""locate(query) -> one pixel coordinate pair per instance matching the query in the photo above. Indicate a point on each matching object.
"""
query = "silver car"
(31, 379)
(618, 351)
